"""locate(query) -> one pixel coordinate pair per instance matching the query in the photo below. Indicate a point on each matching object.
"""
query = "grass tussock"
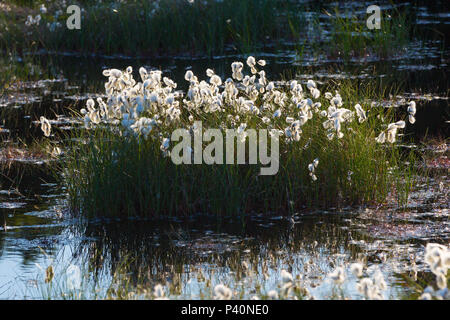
(353, 38)
(117, 168)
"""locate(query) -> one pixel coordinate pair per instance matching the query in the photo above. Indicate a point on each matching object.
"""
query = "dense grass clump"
(353, 38)
(119, 167)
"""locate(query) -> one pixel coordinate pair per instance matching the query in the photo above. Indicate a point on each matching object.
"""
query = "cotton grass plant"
(330, 151)
(354, 39)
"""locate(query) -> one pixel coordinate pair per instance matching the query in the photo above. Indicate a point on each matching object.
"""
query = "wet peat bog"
(43, 245)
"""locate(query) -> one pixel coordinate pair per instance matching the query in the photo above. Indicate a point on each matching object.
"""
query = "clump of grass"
(153, 27)
(352, 38)
(117, 168)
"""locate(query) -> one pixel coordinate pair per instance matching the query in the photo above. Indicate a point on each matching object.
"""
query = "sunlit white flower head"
(262, 63)
(236, 68)
(215, 80)
(391, 132)
(289, 119)
(336, 101)
(170, 83)
(315, 93)
(251, 62)
(43, 9)
(311, 84)
(56, 152)
(361, 113)
(315, 162)
(241, 128)
(411, 112)
(45, 126)
(412, 108)
(170, 99)
(143, 73)
(189, 75)
(312, 167)
(381, 137)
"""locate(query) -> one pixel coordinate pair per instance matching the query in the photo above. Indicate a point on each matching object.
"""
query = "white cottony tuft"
(45, 126)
